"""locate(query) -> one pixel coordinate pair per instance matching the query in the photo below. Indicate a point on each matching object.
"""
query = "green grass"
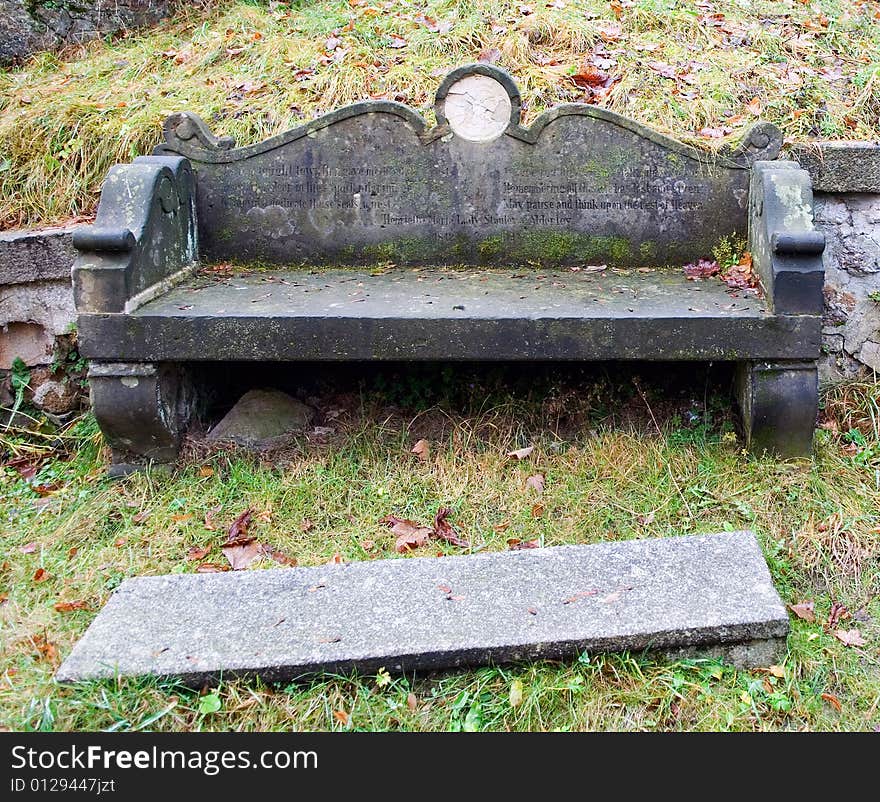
(252, 71)
(610, 475)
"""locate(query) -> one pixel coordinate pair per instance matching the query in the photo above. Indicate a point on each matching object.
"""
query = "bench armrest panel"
(785, 245)
(144, 234)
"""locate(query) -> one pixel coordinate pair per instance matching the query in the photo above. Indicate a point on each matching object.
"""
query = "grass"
(611, 473)
(700, 72)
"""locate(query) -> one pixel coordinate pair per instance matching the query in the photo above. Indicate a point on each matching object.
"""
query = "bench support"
(142, 409)
(779, 402)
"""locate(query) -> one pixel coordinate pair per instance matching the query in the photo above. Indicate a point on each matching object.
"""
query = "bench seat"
(450, 313)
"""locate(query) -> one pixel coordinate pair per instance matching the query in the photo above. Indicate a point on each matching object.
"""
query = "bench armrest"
(144, 235)
(785, 245)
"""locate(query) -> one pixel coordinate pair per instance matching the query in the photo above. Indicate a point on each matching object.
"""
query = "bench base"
(143, 409)
(779, 402)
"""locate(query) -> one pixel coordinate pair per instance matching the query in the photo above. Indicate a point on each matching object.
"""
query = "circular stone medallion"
(477, 108)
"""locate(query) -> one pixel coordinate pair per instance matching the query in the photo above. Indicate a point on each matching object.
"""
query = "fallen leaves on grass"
(67, 607)
(278, 556)
(515, 544)
(209, 517)
(422, 449)
(239, 528)
(197, 553)
(46, 650)
(536, 482)
(833, 701)
(24, 466)
(342, 717)
(521, 453)
(29, 548)
(241, 553)
(410, 534)
(804, 610)
(446, 531)
(836, 614)
(850, 637)
(211, 568)
(40, 575)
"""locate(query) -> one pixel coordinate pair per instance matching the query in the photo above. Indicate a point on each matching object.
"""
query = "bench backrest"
(373, 181)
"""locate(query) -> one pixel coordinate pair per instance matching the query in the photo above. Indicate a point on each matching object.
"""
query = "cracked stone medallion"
(477, 108)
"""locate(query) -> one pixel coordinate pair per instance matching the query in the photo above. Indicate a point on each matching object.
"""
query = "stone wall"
(28, 26)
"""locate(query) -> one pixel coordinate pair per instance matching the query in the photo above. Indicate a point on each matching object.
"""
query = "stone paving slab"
(705, 593)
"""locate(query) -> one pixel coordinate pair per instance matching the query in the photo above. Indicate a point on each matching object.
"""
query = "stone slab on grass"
(683, 595)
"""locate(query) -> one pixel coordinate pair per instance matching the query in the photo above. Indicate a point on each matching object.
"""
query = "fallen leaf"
(341, 716)
(537, 510)
(589, 76)
(4, 597)
(45, 649)
(140, 517)
(46, 489)
(777, 671)
(238, 529)
(29, 548)
(536, 482)
(422, 449)
(181, 516)
(209, 517)
(662, 68)
(412, 702)
(336, 559)
(306, 525)
(197, 553)
(278, 556)
(205, 471)
(40, 575)
(702, 268)
(119, 542)
(804, 610)
(211, 568)
(836, 614)
(581, 595)
(66, 607)
(755, 106)
(444, 588)
(446, 531)
(515, 544)
(489, 56)
(833, 701)
(646, 520)
(241, 553)
(516, 693)
(850, 637)
(710, 133)
(23, 466)
(521, 453)
(397, 42)
(616, 594)
(410, 534)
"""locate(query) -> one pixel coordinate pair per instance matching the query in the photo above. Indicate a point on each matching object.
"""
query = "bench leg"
(142, 409)
(779, 402)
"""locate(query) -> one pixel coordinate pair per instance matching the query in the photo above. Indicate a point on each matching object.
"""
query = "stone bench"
(369, 234)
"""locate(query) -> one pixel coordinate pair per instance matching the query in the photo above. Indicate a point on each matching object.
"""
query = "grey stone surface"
(841, 166)
(39, 255)
(261, 417)
(28, 26)
(437, 313)
(431, 613)
(372, 181)
(851, 324)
